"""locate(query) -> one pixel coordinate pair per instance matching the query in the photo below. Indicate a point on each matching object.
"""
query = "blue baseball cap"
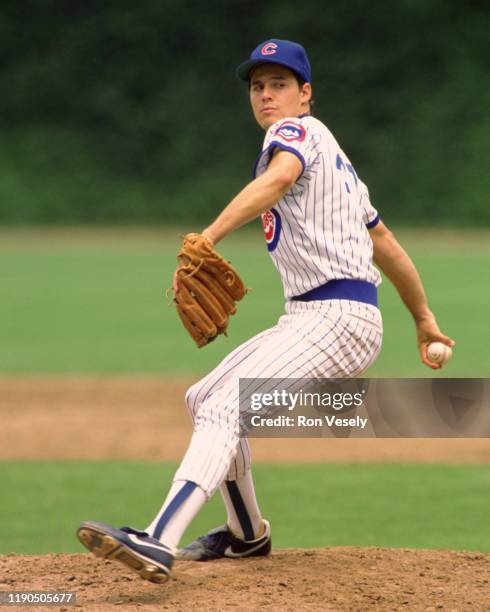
(275, 51)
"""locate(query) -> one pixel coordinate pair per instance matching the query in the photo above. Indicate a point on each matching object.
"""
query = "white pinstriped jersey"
(318, 231)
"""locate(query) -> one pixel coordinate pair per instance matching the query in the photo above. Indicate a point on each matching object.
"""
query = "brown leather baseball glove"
(208, 287)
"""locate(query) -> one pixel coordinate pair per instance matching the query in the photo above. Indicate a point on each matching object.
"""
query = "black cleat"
(221, 542)
(145, 555)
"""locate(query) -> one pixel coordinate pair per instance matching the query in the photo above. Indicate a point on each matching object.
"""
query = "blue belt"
(342, 289)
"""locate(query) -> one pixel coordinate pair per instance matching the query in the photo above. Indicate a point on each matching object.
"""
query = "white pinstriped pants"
(318, 339)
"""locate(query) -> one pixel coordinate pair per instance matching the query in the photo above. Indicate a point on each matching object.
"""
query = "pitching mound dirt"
(295, 579)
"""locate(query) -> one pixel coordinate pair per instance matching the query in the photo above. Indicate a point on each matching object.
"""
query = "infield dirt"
(145, 418)
(64, 410)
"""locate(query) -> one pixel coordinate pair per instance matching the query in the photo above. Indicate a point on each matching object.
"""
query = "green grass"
(92, 302)
(431, 506)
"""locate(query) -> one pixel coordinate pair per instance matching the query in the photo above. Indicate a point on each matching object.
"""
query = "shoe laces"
(218, 534)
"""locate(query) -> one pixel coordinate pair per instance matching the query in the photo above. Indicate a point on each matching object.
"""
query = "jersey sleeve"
(370, 214)
(289, 134)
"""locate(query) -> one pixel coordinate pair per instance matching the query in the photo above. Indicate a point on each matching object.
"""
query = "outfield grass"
(415, 506)
(92, 302)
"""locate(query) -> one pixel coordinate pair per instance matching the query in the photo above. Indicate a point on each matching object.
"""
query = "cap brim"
(243, 70)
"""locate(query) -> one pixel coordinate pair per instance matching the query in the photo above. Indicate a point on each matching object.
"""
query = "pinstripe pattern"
(319, 339)
(323, 237)
(324, 215)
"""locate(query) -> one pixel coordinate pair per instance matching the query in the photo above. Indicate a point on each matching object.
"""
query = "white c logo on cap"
(269, 49)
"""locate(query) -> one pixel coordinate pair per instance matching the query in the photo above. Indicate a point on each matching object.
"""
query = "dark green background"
(127, 112)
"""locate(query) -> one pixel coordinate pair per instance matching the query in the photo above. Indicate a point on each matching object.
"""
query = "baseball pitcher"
(324, 237)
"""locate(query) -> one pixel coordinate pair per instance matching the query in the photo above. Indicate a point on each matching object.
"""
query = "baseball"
(439, 352)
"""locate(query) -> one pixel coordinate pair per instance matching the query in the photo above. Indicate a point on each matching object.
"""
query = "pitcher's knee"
(193, 399)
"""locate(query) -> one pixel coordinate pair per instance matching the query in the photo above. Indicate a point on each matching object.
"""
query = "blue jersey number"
(346, 167)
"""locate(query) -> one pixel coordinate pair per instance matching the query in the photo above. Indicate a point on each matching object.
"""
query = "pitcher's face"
(275, 94)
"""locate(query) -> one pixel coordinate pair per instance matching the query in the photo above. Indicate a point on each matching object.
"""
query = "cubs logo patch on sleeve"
(289, 131)
(271, 224)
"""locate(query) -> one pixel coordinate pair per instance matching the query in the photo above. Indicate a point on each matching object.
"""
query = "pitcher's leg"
(243, 514)
(203, 468)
